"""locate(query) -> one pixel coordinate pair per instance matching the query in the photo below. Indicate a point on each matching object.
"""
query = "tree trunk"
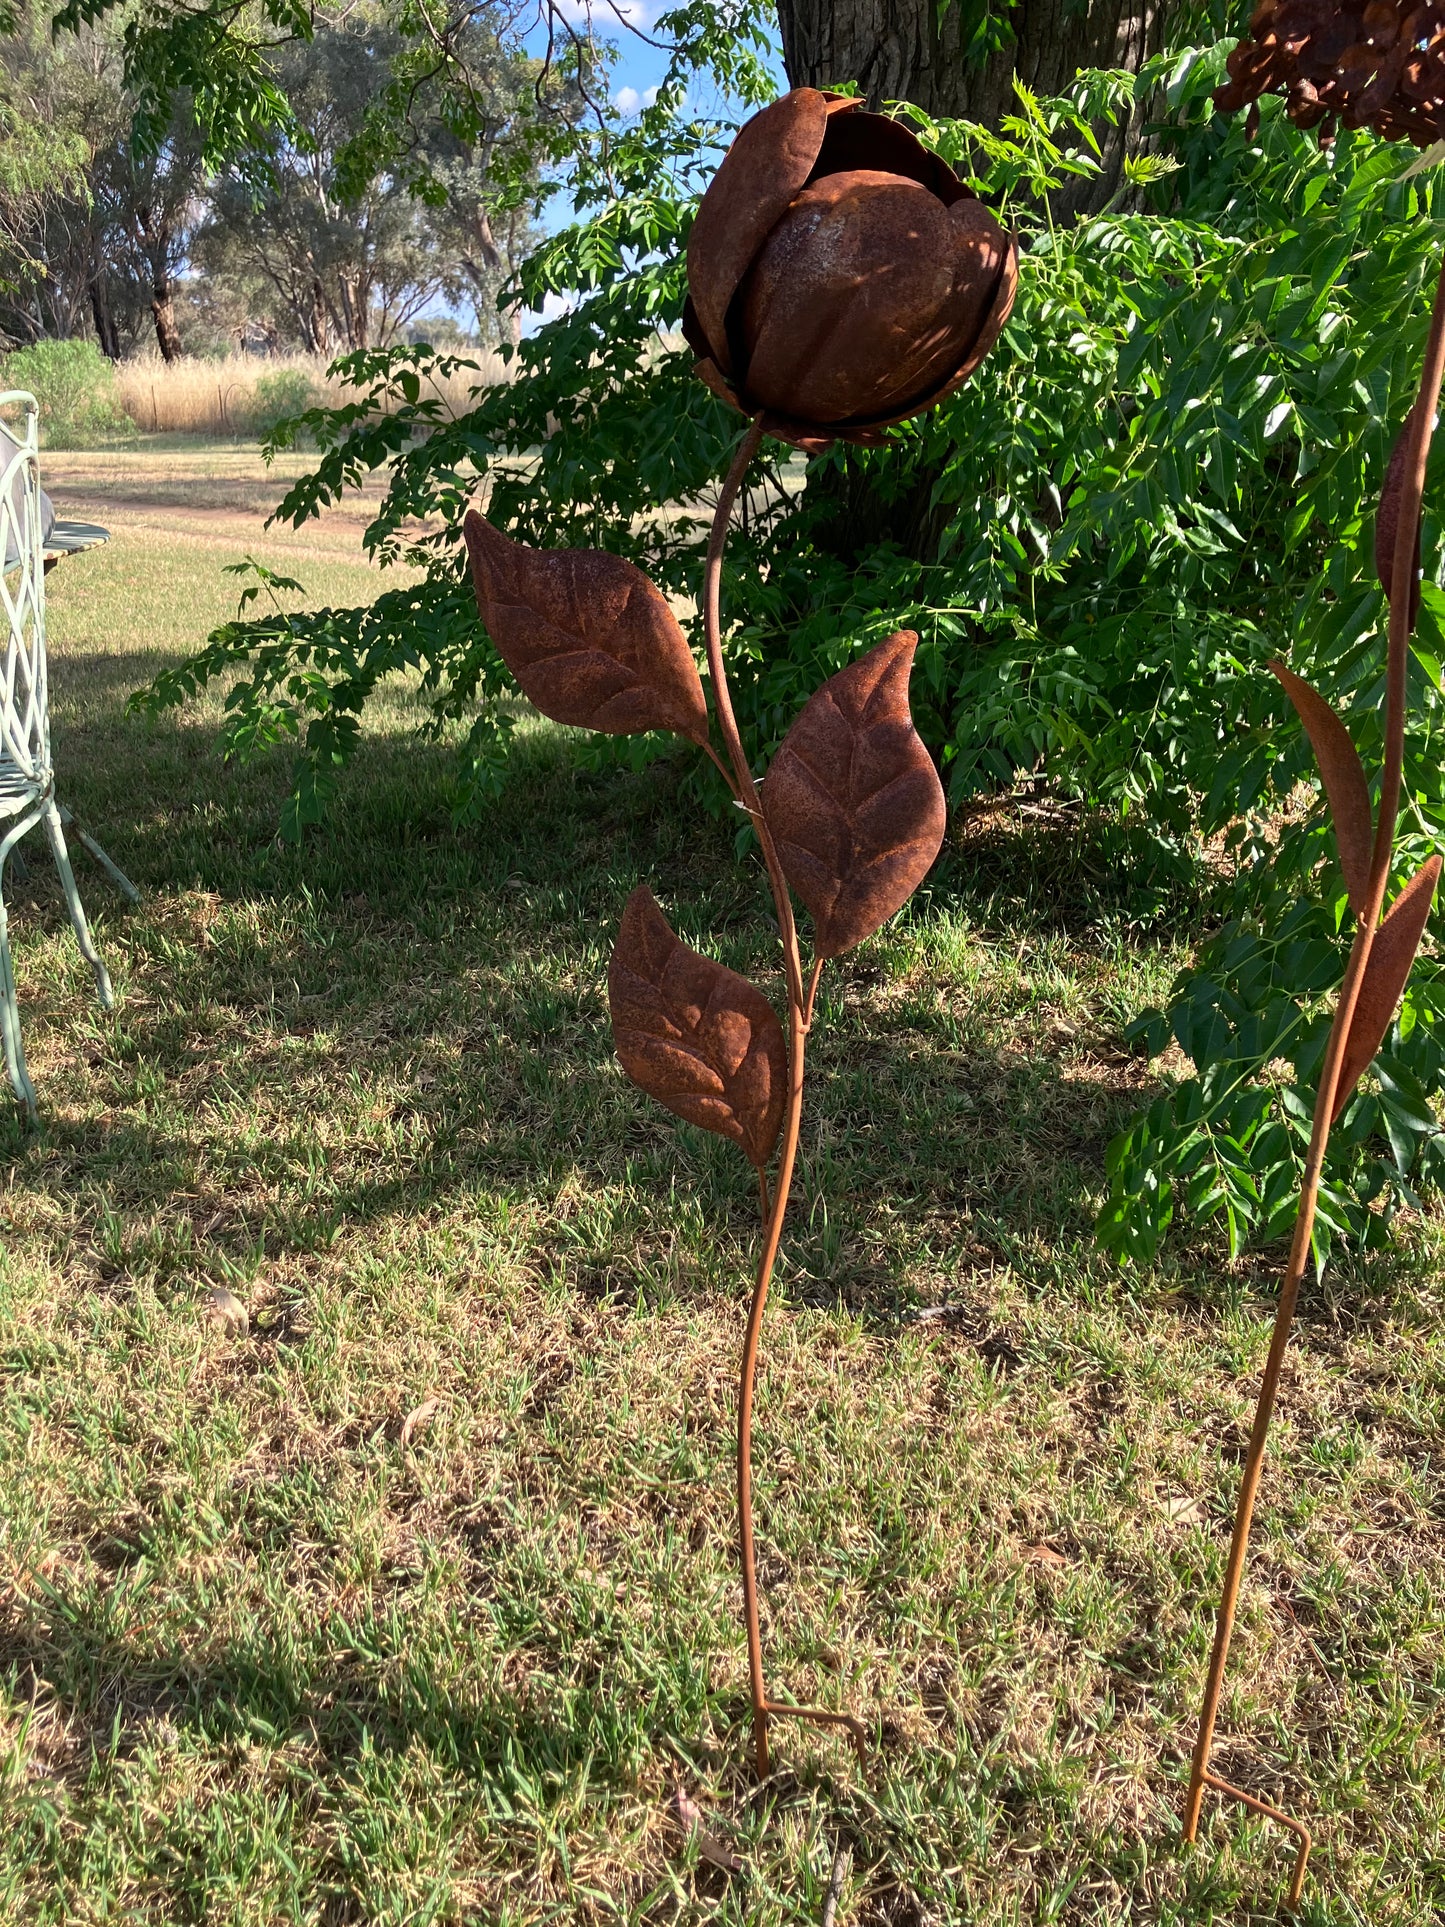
(489, 273)
(916, 50)
(107, 335)
(318, 328)
(163, 307)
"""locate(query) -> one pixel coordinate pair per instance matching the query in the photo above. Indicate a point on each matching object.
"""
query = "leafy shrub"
(74, 384)
(278, 398)
(1161, 478)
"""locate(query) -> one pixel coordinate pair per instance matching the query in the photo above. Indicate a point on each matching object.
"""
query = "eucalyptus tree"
(350, 263)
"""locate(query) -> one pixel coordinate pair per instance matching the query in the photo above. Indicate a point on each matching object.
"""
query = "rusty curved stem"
(723, 770)
(810, 999)
(1402, 579)
(799, 1009)
(1297, 1827)
(746, 788)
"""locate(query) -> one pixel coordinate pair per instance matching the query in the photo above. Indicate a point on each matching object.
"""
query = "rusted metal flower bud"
(841, 277)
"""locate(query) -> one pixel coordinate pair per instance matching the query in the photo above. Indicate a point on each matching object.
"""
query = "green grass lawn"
(273, 1651)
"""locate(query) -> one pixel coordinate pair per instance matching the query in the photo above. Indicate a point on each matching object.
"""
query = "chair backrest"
(24, 697)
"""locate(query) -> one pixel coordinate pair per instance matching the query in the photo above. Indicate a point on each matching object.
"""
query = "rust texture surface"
(699, 1038)
(841, 278)
(853, 799)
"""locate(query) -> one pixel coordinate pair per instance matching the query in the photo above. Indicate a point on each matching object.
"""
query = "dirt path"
(205, 494)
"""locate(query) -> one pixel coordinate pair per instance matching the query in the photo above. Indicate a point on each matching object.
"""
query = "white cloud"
(627, 100)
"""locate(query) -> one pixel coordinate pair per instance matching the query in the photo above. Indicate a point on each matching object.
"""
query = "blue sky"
(639, 65)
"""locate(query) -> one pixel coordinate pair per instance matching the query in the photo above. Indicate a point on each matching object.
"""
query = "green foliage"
(216, 53)
(1251, 1015)
(75, 387)
(278, 397)
(1159, 479)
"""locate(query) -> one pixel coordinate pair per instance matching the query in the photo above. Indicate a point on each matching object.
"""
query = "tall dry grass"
(237, 396)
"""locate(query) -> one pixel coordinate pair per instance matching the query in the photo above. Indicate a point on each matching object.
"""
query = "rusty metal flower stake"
(841, 279)
(1383, 66)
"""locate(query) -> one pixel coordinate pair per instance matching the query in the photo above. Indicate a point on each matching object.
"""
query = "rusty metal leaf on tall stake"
(696, 1036)
(853, 799)
(1377, 64)
(1383, 984)
(591, 641)
(1343, 776)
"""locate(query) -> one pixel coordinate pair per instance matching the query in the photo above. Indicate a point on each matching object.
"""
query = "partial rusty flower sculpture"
(1364, 63)
(841, 279)
(1381, 66)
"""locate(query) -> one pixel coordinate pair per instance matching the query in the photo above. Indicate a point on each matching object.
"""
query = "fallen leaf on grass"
(417, 1417)
(1185, 1512)
(693, 1822)
(227, 1311)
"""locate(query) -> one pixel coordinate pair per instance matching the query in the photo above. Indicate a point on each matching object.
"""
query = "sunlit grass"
(264, 1659)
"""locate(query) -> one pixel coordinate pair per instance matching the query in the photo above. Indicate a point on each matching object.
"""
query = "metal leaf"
(1387, 523)
(591, 641)
(1391, 955)
(696, 1036)
(1344, 780)
(853, 799)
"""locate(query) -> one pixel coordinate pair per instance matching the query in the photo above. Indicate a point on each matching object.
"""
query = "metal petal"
(867, 432)
(1391, 955)
(591, 641)
(761, 172)
(696, 1036)
(994, 323)
(853, 799)
(711, 376)
(856, 141)
(866, 296)
(1344, 780)
(692, 332)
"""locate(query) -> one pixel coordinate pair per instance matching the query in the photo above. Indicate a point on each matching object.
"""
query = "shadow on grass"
(359, 1722)
(459, 972)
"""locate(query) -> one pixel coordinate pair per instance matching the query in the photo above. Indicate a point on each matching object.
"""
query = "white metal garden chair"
(27, 779)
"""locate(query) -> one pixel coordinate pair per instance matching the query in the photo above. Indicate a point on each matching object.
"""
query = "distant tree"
(109, 243)
(350, 268)
(153, 199)
(488, 237)
(347, 216)
(55, 108)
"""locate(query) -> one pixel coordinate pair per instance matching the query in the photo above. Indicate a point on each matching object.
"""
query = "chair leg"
(77, 915)
(10, 1015)
(113, 870)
